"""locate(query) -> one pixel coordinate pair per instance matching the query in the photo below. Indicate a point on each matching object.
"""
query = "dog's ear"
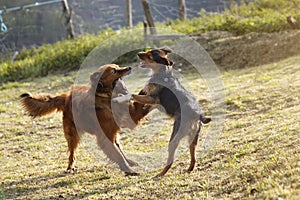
(166, 50)
(156, 57)
(95, 78)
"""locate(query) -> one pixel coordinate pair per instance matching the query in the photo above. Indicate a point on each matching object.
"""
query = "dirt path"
(254, 49)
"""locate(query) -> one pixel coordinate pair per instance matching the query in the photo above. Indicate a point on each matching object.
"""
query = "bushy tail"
(42, 104)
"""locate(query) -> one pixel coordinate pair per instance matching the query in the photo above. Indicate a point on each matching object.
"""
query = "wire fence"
(40, 25)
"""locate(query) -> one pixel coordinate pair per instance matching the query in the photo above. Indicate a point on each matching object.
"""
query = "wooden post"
(68, 17)
(181, 10)
(145, 33)
(149, 17)
(292, 21)
(145, 29)
(129, 13)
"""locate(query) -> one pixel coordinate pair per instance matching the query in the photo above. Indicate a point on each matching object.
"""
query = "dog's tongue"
(120, 87)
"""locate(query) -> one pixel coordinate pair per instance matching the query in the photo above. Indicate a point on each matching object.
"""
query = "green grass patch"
(258, 16)
(67, 55)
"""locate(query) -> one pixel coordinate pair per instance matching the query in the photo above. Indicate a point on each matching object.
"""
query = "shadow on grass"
(24, 186)
(64, 183)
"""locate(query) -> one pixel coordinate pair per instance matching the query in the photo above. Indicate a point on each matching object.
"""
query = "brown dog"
(88, 109)
(164, 90)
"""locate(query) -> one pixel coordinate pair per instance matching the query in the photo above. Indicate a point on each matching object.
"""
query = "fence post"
(68, 19)
(145, 29)
(181, 10)
(149, 17)
(145, 33)
(129, 13)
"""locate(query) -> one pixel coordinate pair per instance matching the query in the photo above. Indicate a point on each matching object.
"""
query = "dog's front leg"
(144, 99)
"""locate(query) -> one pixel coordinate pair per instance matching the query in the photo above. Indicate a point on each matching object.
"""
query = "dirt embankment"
(230, 51)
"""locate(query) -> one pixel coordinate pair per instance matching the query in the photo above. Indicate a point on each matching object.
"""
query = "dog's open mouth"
(120, 87)
(143, 64)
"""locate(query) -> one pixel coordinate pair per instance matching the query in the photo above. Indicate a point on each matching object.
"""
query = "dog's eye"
(113, 71)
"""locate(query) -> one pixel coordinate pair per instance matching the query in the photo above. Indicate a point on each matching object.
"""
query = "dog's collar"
(105, 95)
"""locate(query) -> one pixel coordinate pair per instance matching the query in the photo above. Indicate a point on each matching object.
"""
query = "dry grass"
(256, 157)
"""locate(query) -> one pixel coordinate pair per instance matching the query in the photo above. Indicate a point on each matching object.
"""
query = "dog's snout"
(140, 54)
(129, 68)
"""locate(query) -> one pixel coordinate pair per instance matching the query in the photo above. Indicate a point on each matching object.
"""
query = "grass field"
(257, 155)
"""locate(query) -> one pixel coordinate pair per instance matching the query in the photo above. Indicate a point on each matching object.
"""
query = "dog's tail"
(42, 104)
(203, 119)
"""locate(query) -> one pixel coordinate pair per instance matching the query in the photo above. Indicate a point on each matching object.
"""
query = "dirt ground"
(232, 52)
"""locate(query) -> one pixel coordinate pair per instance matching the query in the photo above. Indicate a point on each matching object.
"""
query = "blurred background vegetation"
(45, 24)
(29, 29)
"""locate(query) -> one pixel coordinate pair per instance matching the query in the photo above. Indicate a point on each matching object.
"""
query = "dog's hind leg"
(173, 144)
(73, 139)
(193, 152)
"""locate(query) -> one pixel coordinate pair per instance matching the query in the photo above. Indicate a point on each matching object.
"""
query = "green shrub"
(257, 16)
(67, 54)
(70, 54)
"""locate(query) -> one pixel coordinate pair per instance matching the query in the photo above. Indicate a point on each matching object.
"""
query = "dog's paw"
(132, 163)
(189, 170)
(132, 173)
(71, 170)
(158, 176)
(122, 99)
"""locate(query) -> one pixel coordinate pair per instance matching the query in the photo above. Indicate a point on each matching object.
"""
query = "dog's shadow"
(29, 186)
